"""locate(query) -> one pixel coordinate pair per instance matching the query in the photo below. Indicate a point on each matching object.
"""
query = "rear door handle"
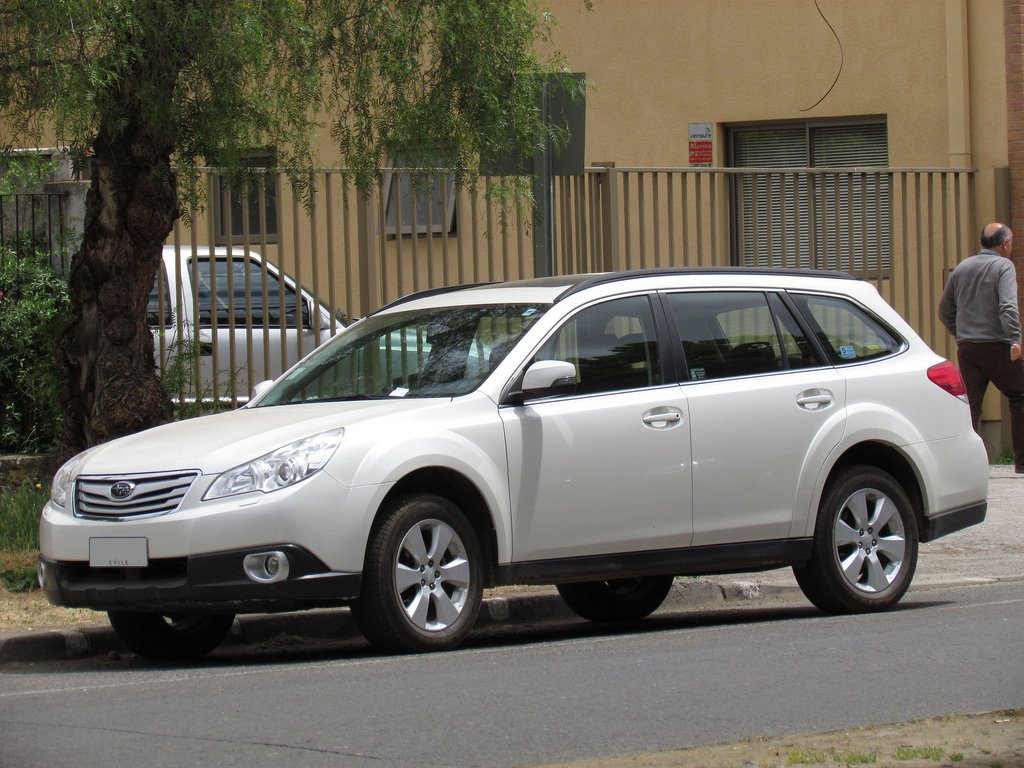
(814, 399)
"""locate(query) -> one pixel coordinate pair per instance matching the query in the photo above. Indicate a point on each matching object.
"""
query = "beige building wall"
(659, 65)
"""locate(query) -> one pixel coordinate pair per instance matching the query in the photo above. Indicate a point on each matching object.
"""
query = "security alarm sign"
(700, 145)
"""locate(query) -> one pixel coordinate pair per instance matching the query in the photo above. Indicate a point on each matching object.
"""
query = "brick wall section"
(1013, 18)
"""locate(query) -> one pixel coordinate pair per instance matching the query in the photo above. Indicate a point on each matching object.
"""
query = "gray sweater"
(979, 302)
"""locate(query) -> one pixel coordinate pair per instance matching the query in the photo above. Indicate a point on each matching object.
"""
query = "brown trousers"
(984, 362)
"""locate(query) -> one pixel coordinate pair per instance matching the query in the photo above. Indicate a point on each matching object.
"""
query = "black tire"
(175, 637)
(616, 600)
(422, 579)
(865, 544)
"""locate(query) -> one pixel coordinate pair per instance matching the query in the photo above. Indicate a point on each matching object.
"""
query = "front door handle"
(662, 418)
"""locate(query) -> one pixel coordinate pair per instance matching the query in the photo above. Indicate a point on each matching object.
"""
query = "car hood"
(213, 444)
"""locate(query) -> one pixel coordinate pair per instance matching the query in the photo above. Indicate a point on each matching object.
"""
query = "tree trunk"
(106, 351)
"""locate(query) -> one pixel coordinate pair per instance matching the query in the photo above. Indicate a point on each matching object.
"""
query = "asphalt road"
(518, 695)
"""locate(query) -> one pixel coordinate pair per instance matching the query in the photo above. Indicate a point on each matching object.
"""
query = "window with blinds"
(820, 218)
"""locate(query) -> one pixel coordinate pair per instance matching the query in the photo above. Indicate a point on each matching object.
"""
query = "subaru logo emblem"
(121, 490)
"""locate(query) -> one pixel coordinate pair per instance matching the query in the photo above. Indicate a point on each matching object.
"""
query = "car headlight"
(61, 484)
(279, 469)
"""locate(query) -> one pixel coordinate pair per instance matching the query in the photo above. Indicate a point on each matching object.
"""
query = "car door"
(249, 322)
(606, 469)
(765, 411)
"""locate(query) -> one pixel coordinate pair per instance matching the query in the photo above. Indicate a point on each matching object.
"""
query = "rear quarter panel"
(892, 402)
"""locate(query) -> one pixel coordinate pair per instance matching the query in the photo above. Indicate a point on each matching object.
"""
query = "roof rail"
(429, 292)
(633, 274)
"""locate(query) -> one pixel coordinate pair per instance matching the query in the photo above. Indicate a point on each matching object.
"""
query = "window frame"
(840, 221)
(435, 196)
(265, 227)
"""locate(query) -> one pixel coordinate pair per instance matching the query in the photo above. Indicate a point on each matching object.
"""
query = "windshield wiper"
(346, 398)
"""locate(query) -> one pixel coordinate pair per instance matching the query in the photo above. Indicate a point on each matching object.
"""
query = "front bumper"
(207, 583)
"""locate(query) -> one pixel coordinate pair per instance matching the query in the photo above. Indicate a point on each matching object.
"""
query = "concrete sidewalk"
(985, 553)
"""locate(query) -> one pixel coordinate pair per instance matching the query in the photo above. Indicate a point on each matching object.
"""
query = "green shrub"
(19, 579)
(33, 307)
(20, 509)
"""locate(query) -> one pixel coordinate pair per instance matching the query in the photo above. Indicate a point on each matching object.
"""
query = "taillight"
(946, 375)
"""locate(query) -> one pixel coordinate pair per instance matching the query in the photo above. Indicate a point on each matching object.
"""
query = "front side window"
(219, 297)
(726, 334)
(440, 352)
(613, 346)
(848, 333)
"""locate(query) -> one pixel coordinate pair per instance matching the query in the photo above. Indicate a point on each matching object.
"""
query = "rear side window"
(847, 332)
(734, 333)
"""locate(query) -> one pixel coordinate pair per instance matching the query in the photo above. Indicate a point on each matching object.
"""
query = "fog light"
(266, 567)
(47, 574)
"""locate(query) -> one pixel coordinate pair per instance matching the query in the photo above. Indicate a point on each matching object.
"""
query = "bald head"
(994, 235)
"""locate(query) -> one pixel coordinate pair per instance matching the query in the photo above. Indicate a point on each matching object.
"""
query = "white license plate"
(119, 553)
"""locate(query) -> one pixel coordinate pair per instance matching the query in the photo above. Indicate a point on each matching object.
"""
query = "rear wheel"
(174, 637)
(423, 578)
(865, 544)
(616, 600)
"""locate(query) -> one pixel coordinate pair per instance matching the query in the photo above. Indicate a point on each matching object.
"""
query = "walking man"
(979, 307)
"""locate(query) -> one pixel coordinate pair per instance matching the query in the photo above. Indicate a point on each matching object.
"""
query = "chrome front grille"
(131, 495)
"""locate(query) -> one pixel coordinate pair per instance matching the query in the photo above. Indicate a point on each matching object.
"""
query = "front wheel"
(616, 600)
(865, 544)
(423, 578)
(176, 637)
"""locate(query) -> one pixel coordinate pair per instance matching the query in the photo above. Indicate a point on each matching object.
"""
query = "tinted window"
(726, 334)
(613, 346)
(213, 291)
(153, 306)
(848, 333)
(439, 352)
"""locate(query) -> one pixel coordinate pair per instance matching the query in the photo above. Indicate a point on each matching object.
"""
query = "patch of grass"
(917, 753)
(956, 757)
(805, 758)
(20, 509)
(857, 758)
(1006, 457)
(19, 579)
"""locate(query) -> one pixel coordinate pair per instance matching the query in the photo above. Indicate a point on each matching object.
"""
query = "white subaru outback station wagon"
(603, 433)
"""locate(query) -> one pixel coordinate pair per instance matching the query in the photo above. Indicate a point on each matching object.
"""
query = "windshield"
(440, 352)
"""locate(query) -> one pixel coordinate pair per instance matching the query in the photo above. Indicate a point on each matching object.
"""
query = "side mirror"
(545, 378)
(259, 389)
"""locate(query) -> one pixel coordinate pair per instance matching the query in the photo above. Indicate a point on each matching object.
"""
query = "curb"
(520, 607)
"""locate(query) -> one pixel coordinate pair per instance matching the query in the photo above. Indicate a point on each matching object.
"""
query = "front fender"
(470, 441)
